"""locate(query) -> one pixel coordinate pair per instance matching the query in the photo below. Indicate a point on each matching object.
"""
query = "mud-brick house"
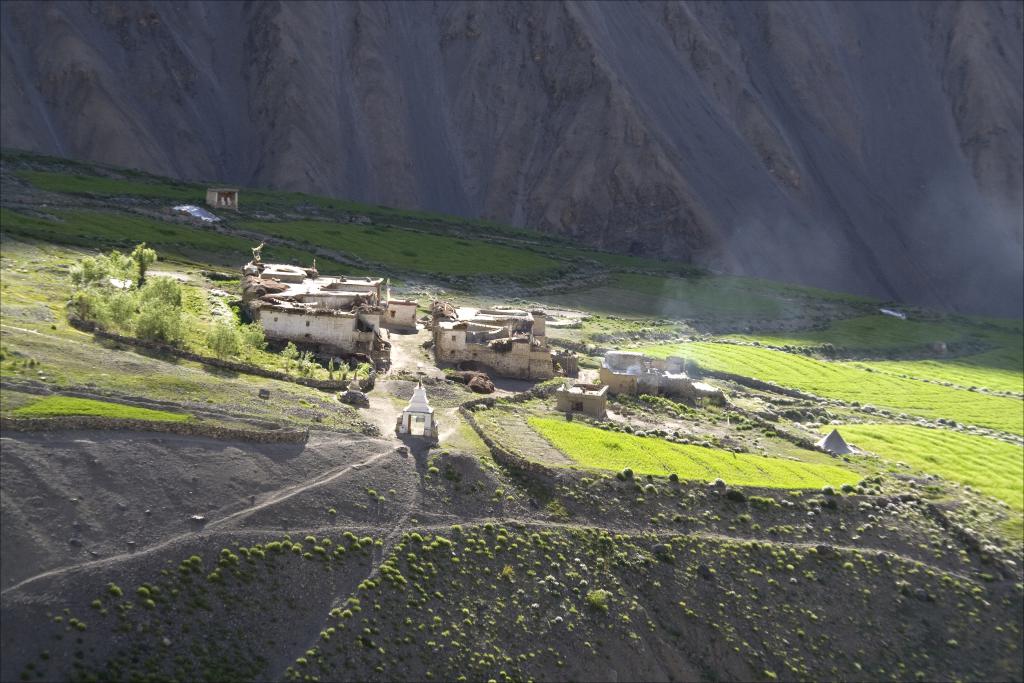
(331, 315)
(507, 341)
(589, 399)
(631, 373)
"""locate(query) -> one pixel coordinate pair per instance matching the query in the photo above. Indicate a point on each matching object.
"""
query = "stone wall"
(79, 422)
(759, 384)
(504, 457)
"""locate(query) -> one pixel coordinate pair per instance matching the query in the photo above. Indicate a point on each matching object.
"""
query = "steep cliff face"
(872, 147)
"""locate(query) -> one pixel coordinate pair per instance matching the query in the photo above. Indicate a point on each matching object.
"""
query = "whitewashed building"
(418, 417)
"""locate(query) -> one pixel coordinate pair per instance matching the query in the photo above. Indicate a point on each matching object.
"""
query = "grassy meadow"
(872, 332)
(102, 229)
(57, 406)
(596, 448)
(853, 383)
(700, 296)
(999, 370)
(991, 466)
(411, 251)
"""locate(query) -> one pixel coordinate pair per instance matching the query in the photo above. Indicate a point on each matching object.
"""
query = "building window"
(307, 323)
(275, 318)
(577, 406)
(453, 337)
(392, 314)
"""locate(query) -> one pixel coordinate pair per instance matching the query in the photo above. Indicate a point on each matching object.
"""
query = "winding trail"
(270, 500)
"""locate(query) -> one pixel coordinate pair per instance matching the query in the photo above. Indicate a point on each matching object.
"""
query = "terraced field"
(852, 382)
(56, 406)
(596, 448)
(113, 229)
(999, 370)
(715, 297)
(415, 251)
(873, 332)
(993, 467)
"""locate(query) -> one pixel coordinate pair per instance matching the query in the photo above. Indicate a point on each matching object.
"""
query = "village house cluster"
(354, 316)
(343, 315)
(511, 342)
(626, 372)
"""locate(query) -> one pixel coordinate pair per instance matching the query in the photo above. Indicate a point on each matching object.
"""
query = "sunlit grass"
(597, 448)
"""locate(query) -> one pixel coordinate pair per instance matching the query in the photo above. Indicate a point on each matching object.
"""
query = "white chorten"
(418, 417)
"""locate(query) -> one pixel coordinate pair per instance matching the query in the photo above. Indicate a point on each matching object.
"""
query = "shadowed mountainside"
(872, 147)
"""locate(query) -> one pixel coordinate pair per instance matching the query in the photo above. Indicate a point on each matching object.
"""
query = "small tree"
(330, 368)
(290, 353)
(162, 290)
(253, 336)
(159, 321)
(88, 305)
(306, 364)
(223, 340)
(143, 257)
(89, 271)
(121, 307)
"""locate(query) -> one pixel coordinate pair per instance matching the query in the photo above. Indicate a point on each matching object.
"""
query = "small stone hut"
(589, 399)
(222, 197)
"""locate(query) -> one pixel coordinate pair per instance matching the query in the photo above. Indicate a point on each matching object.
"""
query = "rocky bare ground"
(870, 147)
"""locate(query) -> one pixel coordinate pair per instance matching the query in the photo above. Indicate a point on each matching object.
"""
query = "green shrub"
(598, 599)
(253, 337)
(159, 322)
(223, 340)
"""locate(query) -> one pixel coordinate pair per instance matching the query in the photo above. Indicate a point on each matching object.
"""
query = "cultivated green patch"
(113, 187)
(56, 406)
(852, 382)
(874, 332)
(114, 229)
(700, 296)
(597, 448)
(991, 466)
(413, 251)
(999, 370)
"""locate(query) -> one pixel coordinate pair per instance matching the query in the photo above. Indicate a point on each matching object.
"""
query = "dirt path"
(286, 493)
(407, 354)
(271, 499)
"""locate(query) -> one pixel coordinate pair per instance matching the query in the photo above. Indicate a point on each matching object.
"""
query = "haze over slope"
(867, 146)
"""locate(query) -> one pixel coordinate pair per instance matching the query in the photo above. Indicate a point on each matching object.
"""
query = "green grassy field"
(720, 296)
(849, 382)
(67, 183)
(874, 332)
(56, 406)
(1000, 370)
(596, 448)
(415, 251)
(110, 229)
(991, 466)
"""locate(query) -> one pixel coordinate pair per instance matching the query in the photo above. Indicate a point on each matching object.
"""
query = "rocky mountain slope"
(871, 147)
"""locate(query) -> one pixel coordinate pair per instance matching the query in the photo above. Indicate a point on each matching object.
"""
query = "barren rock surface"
(874, 147)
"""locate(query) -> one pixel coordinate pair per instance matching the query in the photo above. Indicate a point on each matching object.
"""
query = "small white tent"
(834, 443)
